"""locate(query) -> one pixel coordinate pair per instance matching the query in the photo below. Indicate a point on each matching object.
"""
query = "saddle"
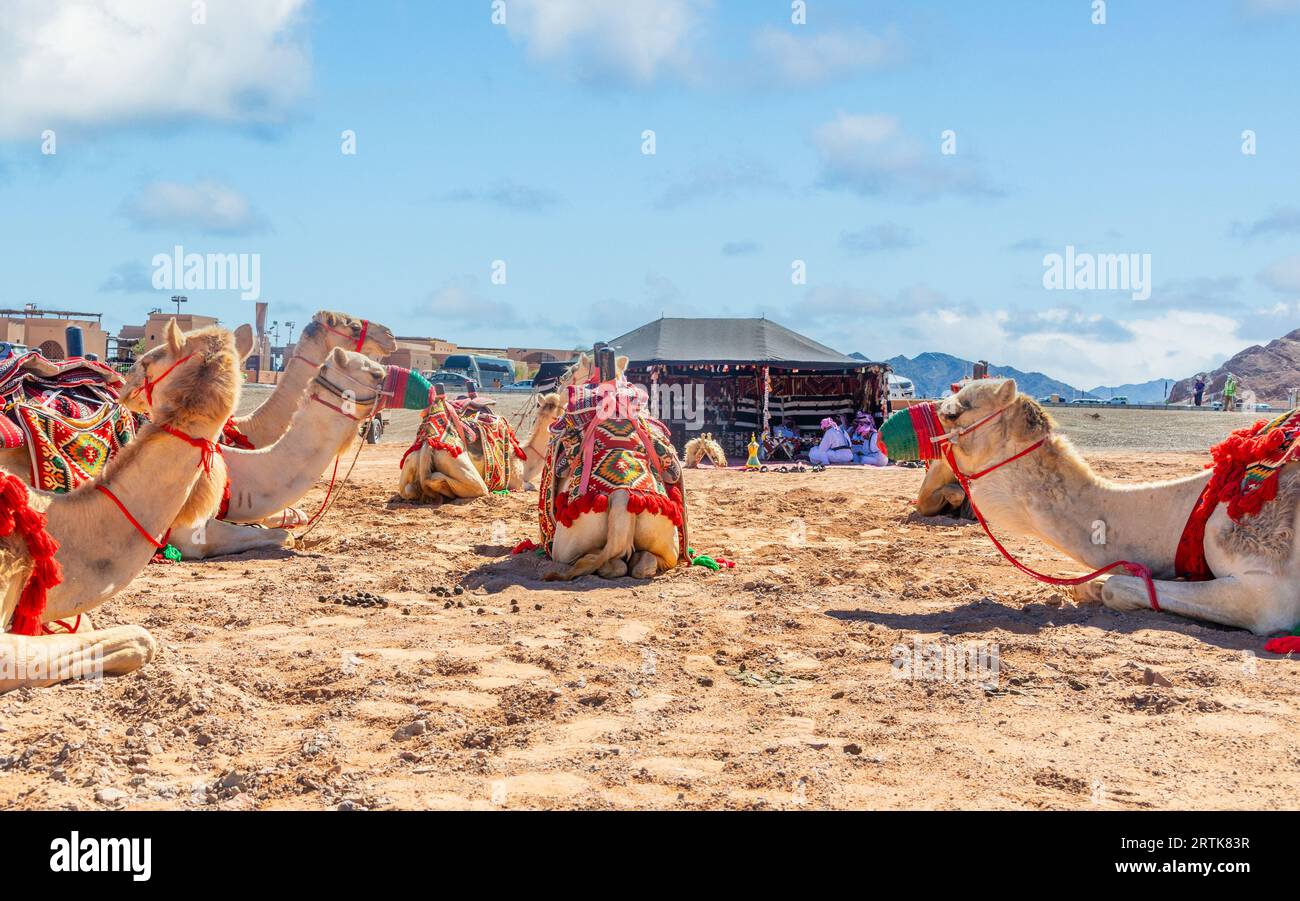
(604, 443)
(66, 413)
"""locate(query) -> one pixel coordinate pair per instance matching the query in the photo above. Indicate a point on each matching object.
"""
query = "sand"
(770, 685)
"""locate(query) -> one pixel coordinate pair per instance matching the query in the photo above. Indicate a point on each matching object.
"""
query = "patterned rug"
(68, 452)
(65, 412)
(456, 427)
(75, 388)
(606, 440)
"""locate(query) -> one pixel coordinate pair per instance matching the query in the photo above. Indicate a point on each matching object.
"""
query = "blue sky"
(775, 142)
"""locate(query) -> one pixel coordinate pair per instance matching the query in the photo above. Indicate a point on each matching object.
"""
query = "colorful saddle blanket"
(1246, 468)
(457, 426)
(65, 412)
(605, 443)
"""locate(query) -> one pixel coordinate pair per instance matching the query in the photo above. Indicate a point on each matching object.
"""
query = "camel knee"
(613, 569)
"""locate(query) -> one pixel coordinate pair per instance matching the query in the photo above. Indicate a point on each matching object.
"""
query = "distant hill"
(933, 373)
(1152, 392)
(1269, 371)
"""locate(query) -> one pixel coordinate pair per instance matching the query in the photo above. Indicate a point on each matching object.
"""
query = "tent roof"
(683, 341)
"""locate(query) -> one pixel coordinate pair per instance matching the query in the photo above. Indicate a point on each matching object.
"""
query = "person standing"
(1229, 393)
(1200, 388)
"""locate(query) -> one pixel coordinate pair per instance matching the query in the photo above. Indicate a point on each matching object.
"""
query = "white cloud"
(1283, 276)
(206, 206)
(816, 58)
(104, 63)
(872, 155)
(632, 41)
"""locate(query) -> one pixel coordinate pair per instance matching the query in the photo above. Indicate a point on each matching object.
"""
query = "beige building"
(46, 331)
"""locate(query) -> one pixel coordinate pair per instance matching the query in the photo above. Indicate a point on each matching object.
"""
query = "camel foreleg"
(620, 530)
(41, 660)
(1263, 603)
(216, 538)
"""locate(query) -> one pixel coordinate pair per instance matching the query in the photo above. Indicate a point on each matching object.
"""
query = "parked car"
(448, 380)
(1089, 401)
(1119, 400)
(8, 349)
(526, 385)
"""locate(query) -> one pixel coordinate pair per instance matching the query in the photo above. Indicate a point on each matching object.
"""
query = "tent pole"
(767, 390)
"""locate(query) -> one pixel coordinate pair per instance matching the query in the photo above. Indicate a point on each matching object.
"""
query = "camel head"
(550, 407)
(581, 371)
(329, 330)
(351, 381)
(1021, 422)
(189, 376)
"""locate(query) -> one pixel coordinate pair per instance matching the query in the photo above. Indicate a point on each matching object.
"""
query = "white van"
(901, 388)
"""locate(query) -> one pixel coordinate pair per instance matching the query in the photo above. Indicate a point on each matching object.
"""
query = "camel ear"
(338, 356)
(1006, 392)
(175, 338)
(244, 341)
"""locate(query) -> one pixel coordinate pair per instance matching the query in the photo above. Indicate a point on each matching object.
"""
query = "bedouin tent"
(737, 377)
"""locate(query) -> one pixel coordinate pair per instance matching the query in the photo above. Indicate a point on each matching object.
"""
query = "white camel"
(1051, 493)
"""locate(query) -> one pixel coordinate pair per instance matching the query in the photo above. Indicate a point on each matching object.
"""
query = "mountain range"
(932, 373)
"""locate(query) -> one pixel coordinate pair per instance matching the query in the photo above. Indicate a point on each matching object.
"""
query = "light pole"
(179, 299)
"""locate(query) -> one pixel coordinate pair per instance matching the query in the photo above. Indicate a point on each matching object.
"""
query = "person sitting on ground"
(866, 442)
(835, 447)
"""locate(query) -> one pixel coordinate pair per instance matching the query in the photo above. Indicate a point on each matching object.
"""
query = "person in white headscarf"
(866, 442)
(835, 446)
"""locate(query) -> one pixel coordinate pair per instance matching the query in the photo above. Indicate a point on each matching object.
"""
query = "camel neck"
(102, 550)
(1053, 495)
(267, 423)
(263, 482)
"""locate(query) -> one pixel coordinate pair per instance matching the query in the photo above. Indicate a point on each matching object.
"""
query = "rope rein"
(1137, 570)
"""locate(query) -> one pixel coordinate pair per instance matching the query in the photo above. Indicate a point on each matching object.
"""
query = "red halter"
(361, 339)
(1134, 569)
(149, 384)
(207, 451)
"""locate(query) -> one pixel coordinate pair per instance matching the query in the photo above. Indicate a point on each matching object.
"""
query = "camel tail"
(620, 530)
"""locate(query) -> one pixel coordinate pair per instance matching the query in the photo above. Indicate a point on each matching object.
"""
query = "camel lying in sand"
(625, 513)
(158, 479)
(704, 446)
(1052, 494)
(263, 483)
(461, 450)
(326, 331)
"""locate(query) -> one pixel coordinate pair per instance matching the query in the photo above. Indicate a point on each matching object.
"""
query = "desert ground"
(766, 686)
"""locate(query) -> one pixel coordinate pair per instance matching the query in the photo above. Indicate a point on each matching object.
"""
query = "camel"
(613, 531)
(159, 478)
(1051, 493)
(550, 407)
(940, 495)
(704, 446)
(461, 451)
(326, 331)
(263, 483)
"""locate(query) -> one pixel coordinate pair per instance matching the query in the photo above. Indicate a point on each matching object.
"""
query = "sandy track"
(769, 685)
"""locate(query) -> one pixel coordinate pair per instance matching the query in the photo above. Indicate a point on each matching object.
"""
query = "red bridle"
(208, 451)
(149, 384)
(1134, 569)
(361, 339)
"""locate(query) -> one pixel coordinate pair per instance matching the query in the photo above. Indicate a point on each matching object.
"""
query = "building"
(739, 377)
(416, 354)
(46, 331)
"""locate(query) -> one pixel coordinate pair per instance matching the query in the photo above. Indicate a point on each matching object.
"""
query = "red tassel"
(16, 515)
(1287, 644)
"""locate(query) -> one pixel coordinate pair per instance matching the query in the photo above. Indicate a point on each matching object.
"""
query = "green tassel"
(172, 553)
